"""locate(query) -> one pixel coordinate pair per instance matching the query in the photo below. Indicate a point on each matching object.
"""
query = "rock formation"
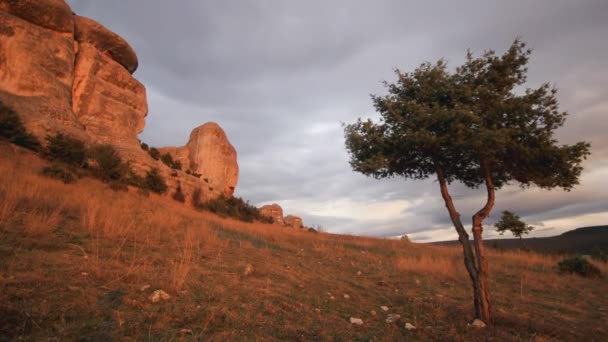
(66, 73)
(209, 154)
(293, 221)
(273, 211)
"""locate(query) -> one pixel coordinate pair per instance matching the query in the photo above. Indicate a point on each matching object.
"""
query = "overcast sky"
(280, 76)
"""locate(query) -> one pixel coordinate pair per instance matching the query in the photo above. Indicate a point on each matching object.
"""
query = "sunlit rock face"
(293, 221)
(209, 154)
(273, 211)
(67, 73)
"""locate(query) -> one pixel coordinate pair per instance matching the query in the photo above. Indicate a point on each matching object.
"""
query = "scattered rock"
(73, 288)
(417, 282)
(159, 295)
(186, 331)
(359, 273)
(392, 318)
(346, 296)
(317, 310)
(144, 288)
(84, 274)
(409, 326)
(373, 312)
(274, 211)
(477, 323)
(332, 298)
(384, 308)
(293, 221)
(357, 321)
(248, 270)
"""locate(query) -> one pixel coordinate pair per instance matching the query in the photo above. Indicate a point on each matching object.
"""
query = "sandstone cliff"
(273, 211)
(294, 221)
(66, 73)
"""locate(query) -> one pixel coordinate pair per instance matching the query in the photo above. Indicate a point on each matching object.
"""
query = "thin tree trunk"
(482, 262)
(463, 237)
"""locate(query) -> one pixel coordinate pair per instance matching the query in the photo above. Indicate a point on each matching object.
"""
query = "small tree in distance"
(469, 126)
(511, 222)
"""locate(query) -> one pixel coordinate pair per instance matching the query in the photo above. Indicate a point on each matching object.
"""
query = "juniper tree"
(475, 125)
(511, 222)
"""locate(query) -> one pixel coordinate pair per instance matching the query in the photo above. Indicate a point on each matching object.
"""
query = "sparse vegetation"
(234, 207)
(154, 153)
(65, 251)
(108, 166)
(153, 181)
(66, 150)
(61, 172)
(178, 195)
(167, 159)
(13, 131)
(144, 146)
(580, 266)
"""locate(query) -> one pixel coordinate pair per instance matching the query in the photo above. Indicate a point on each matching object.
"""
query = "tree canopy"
(509, 221)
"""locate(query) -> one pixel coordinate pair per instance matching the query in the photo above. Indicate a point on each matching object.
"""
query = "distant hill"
(585, 240)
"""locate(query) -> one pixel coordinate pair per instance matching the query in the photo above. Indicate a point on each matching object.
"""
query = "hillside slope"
(76, 261)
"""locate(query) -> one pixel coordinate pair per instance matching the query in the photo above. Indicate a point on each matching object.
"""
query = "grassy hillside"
(75, 259)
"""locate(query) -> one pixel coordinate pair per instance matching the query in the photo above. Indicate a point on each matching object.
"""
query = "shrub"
(178, 195)
(109, 166)
(65, 149)
(235, 207)
(154, 182)
(12, 130)
(167, 159)
(196, 198)
(144, 146)
(580, 266)
(60, 172)
(154, 153)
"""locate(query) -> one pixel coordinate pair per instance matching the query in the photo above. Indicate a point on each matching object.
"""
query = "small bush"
(178, 195)
(65, 149)
(167, 159)
(144, 146)
(109, 167)
(196, 198)
(235, 207)
(580, 266)
(154, 153)
(154, 182)
(12, 130)
(60, 172)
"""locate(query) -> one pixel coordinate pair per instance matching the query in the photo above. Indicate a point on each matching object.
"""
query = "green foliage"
(154, 182)
(511, 222)
(234, 207)
(580, 266)
(60, 172)
(468, 124)
(108, 167)
(154, 153)
(12, 130)
(65, 149)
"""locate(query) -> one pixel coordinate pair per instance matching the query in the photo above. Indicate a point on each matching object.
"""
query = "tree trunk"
(482, 263)
(463, 237)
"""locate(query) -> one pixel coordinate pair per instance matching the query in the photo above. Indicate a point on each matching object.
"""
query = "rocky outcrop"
(274, 211)
(209, 154)
(66, 73)
(106, 99)
(293, 221)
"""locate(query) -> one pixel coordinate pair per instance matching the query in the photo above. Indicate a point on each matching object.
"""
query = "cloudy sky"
(281, 76)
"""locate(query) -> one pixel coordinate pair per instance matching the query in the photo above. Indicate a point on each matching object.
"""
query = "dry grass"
(74, 257)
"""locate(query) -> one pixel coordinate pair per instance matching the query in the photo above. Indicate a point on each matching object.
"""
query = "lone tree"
(474, 125)
(512, 222)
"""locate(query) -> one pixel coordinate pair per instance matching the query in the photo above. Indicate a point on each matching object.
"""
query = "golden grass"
(84, 240)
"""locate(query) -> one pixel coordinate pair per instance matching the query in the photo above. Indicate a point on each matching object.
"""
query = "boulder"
(88, 31)
(293, 221)
(54, 15)
(107, 100)
(36, 75)
(273, 211)
(213, 157)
